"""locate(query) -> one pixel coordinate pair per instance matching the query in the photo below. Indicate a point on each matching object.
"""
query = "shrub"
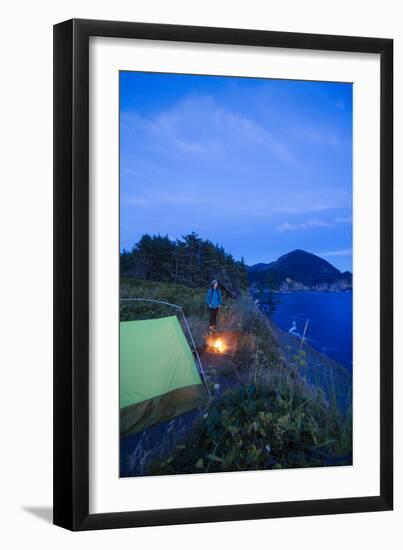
(280, 423)
(192, 300)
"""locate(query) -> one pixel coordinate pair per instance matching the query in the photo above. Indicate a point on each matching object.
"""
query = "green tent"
(158, 375)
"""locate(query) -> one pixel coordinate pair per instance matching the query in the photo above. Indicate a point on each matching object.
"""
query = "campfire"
(219, 346)
(222, 343)
(216, 344)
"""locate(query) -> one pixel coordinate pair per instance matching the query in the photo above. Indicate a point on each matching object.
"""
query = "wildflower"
(268, 448)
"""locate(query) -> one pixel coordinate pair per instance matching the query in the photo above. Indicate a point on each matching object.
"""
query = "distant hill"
(299, 270)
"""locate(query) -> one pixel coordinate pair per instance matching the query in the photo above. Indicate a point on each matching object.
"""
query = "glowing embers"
(219, 346)
(216, 344)
(222, 343)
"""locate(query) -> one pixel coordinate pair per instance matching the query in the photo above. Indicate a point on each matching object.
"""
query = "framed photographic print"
(223, 248)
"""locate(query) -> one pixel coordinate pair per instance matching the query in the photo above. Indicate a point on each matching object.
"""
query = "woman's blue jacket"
(214, 298)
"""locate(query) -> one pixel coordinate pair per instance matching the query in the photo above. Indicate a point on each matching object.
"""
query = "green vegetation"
(277, 422)
(192, 300)
(190, 261)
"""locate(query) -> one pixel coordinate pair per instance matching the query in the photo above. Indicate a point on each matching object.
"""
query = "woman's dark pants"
(213, 316)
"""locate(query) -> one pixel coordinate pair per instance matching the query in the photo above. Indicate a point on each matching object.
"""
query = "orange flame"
(219, 346)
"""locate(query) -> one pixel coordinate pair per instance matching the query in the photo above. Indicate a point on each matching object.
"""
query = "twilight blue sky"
(260, 166)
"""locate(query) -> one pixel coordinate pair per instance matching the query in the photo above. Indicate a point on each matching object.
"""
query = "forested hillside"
(189, 261)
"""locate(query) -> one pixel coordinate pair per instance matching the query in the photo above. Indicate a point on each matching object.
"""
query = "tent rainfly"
(158, 375)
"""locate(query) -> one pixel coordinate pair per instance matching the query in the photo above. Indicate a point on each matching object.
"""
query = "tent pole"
(196, 352)
(149, 300)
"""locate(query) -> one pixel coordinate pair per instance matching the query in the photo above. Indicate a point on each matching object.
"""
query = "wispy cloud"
(342, 252)
(253, 132)
(324, 137)
(346, 219)
(309, 224)
(238, 205)
(313, 223)
(199, 124)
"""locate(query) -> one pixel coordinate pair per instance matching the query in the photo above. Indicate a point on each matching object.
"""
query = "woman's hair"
(213, 282)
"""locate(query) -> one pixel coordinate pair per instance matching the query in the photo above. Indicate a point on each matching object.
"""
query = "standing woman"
(214, 301)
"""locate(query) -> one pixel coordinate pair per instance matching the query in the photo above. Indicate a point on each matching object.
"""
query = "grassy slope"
(271, 416)
(192, 300)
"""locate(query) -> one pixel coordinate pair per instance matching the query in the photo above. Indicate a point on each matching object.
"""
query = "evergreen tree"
(191, 261)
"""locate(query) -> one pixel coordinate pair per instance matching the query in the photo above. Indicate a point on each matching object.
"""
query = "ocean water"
(330, 326)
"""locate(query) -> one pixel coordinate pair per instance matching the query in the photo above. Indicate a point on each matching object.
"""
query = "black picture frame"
(71, 274)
